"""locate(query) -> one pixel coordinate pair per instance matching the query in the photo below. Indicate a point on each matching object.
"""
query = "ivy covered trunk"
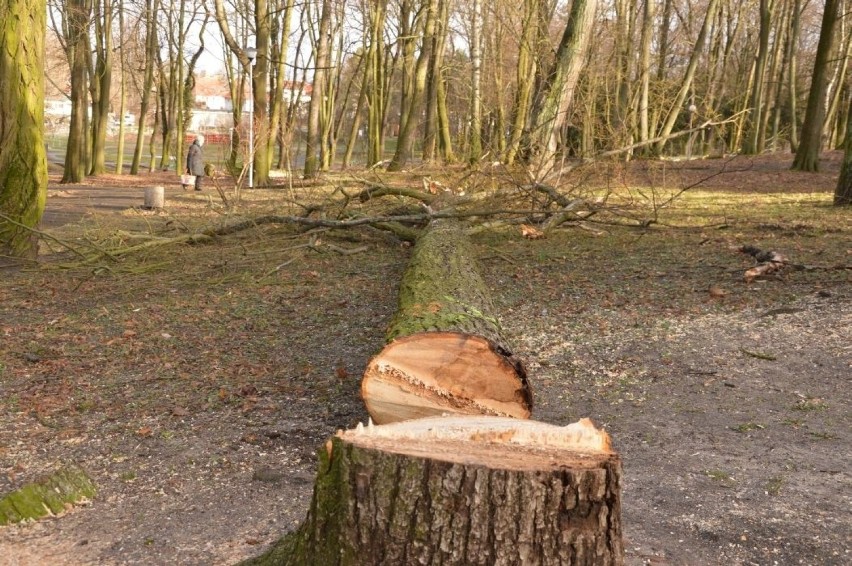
(446, 352)
(23, 162)
(462, 491)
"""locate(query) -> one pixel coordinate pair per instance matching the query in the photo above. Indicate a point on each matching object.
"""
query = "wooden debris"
(768, 262)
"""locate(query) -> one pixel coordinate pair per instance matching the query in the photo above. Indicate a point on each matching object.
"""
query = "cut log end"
(493, 442)
(435, 373)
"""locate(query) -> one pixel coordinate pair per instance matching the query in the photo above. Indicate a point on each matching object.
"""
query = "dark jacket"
(194, 161)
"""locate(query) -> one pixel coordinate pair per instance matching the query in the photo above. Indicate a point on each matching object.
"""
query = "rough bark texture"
(23, 162)
(487, 494)
(446, 352)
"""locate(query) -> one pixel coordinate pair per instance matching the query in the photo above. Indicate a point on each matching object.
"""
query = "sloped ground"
(195, 383)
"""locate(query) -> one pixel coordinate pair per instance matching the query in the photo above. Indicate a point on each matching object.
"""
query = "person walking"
(195, 162)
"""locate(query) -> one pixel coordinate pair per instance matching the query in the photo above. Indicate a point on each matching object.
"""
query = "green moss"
(47, 496)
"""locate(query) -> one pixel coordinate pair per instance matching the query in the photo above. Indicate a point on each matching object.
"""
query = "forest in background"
(458, 80)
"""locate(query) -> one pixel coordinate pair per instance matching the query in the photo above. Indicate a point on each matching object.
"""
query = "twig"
(759, 355)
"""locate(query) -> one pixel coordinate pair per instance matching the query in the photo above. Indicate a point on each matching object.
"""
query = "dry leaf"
(144, 431)
(530, 232)
(180, 412)
(716, 292)
(341, 372)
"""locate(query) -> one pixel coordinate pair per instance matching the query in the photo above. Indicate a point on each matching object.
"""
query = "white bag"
(187, 179)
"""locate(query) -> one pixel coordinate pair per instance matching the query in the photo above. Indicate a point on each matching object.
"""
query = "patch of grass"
(823, 435)
(773, 485)
(809, 404)
(718, 475)
(747, 427)
(127, 476)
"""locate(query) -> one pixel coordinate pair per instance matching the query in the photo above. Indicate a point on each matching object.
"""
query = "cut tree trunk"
(446, 352)
(462, 490)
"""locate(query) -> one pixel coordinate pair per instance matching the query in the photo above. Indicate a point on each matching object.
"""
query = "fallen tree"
(446, 352)
(461, 490)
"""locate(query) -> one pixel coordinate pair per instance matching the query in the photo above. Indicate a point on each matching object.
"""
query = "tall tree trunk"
(263, 139)
(556, 93)
(475, 146)
(445, 138)
(434, 82)
(757, 99)
(496, 49)
(102, 80)
(843, 190)
(78, 12)
(645, 69)
(405, 141)
(280, 25)
(23, 162)
(836, 87)
(525, 78)
(472, 491)
(409, 23)
(623, 119)
(686, 83)
(374, 82)
(314, 132)
(807, 154)
(122, 101)
(792, 74)
(151, 10)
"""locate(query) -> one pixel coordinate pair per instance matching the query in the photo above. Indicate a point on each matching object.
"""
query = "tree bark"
(843, 190)
(151, 9)
(313, 136)
(77, 13)
(23, 163)
(462, 491)
(446, 352)
(755, 116)
(807, 154)
(405, 140)
(556, 94)
(101, 83)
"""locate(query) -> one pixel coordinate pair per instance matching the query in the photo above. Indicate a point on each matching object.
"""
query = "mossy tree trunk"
(461, 491)
(446, 350)
(23, 161)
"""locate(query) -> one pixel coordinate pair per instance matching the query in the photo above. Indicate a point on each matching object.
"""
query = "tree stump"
(155, 197)
(446, 352)
(462, 490)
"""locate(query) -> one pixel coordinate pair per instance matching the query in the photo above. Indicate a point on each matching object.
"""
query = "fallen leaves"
(531, 232)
